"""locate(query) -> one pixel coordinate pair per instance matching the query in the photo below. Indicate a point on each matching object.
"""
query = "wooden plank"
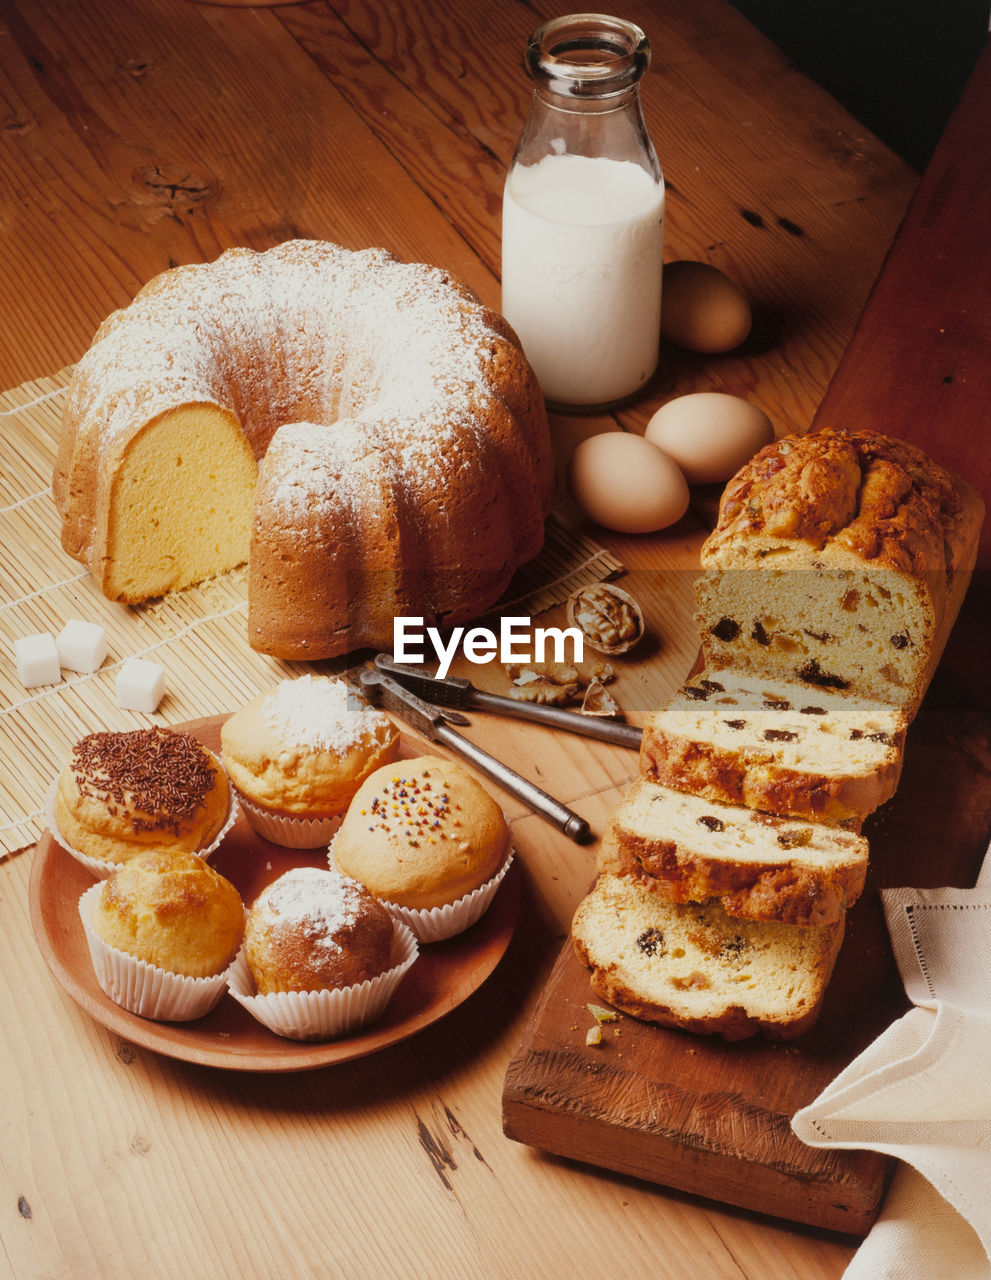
(714, 1119)
(138, 166)
(919, 363)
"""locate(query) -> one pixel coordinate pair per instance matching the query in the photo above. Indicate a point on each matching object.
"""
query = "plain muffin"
(173, 910)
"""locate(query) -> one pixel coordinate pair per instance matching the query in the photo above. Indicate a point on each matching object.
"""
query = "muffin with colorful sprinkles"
(428, 840)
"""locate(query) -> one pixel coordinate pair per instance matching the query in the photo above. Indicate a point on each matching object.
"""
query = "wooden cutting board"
(711, 1118)
(714, 1119)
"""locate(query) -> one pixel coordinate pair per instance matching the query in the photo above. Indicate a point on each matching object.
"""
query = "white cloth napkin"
(922, 1092)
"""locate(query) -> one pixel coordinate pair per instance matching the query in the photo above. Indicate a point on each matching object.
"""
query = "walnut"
(542, 690)
(558, 683)
(609, 617)
(556, 672)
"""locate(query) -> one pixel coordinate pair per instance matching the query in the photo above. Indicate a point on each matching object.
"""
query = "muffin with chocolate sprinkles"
(124, 792)
(428, 839)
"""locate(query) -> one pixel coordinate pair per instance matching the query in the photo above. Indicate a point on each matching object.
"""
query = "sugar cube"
(37, 659)
(82, 646)
(140, 685)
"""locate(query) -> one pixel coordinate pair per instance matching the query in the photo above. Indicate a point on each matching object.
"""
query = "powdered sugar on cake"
(323, 714)
(400, 394)
(321, 902)
(408, 350)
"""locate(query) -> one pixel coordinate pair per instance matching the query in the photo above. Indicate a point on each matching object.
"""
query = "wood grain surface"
(134, 137)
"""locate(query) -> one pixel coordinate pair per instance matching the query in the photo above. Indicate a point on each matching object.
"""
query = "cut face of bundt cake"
(363, 431)
(179, 506)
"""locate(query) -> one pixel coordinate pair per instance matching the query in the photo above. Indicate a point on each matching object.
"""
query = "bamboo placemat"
(198, 635)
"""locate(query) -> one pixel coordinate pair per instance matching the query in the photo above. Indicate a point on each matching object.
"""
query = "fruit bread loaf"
(864, 546)
(763, 867)
(690, 965)
(776, 745)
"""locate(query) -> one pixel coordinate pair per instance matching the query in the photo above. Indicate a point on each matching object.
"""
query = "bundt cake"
(362, 431)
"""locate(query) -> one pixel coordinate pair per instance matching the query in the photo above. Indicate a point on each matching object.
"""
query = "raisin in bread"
(776, 745)
(863, 546)
(763, 867)
(690, 965)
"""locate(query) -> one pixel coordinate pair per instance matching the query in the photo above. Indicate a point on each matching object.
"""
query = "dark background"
(899, 66)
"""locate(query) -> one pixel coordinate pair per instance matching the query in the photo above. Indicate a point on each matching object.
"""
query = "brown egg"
(703, 310)
(709, 434)
(624, 482)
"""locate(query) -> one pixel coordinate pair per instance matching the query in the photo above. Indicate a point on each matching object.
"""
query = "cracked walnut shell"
(609, 618)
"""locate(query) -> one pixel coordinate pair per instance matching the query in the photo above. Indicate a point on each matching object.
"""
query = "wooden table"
(133, 137)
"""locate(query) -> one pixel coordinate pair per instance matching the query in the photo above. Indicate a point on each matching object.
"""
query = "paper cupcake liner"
(324, 1015)
(434, 924)
(144, 988)
(102, 869)
(290, 832)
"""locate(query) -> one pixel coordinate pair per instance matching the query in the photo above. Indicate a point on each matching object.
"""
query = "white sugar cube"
(82, 646)
(37, 660)
(140, 685)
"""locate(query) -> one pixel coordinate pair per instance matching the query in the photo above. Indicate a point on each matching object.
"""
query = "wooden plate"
(445, 973)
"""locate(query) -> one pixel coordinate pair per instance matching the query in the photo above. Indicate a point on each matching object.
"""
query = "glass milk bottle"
(583, 216)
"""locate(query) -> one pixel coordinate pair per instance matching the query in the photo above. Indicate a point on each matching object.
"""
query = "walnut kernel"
(609, 618)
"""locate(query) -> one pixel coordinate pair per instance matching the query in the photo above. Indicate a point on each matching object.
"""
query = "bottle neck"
(547, 97)
(611, 128)
(587, 56)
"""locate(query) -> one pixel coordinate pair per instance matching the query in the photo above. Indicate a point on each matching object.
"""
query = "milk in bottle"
(582, 242)
(583, 216)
